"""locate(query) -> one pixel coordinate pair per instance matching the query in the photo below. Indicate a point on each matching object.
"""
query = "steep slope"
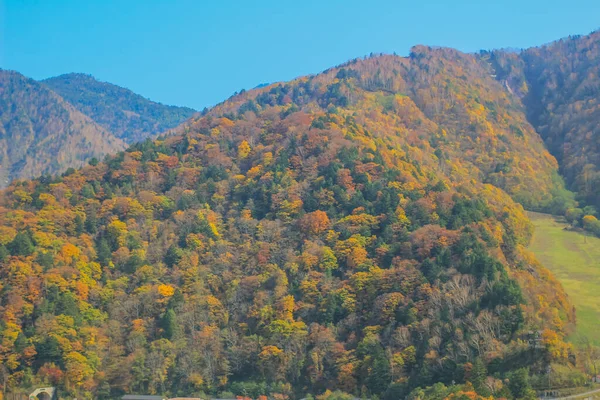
(341, 231)
(560, 86)
(127, 115)
(458, 114)
(40, 133)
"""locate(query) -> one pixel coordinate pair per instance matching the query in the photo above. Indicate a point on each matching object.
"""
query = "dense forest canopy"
(358, 230)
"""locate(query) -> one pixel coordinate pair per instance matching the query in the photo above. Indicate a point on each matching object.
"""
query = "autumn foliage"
(352, 231)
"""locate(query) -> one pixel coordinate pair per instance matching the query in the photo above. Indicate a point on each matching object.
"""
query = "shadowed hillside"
(560, 85)
(127, 115)
(40, 133)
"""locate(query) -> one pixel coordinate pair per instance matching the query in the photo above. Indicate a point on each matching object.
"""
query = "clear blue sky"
(198, 52)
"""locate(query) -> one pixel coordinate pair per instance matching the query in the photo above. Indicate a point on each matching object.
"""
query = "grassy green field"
(574, 258)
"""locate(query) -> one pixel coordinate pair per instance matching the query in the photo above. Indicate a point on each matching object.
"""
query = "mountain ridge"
(41, 132)
(401, 84)
(130, 116)
(354, 230)
(34, 121)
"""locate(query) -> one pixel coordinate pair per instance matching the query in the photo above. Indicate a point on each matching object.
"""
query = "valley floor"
(574, 258)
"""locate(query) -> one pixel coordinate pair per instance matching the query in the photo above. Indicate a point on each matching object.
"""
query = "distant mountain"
(46, 127)
(42, 133)
(127, 115)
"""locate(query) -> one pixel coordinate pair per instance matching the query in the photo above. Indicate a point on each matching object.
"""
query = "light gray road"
(575, 396)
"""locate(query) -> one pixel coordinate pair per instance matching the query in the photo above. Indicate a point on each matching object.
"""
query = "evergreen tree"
(173, 256)
(79, 225)
(21, 245)
(4, 253)
(103, 252)
(169, 324)
(478, 374)
(519, 384)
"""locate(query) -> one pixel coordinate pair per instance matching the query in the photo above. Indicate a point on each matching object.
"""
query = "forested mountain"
(63, 122)
(127, 115)
(355, 230)
(471, 125)
(41, 133)
(560, 86)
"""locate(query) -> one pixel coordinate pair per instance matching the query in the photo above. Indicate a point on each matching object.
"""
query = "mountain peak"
(72, 75)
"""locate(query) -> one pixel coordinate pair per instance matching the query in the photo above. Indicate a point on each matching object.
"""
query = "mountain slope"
(40, 133)
(347, 231)
(127, 115)
(560, 87)
(459, 115)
